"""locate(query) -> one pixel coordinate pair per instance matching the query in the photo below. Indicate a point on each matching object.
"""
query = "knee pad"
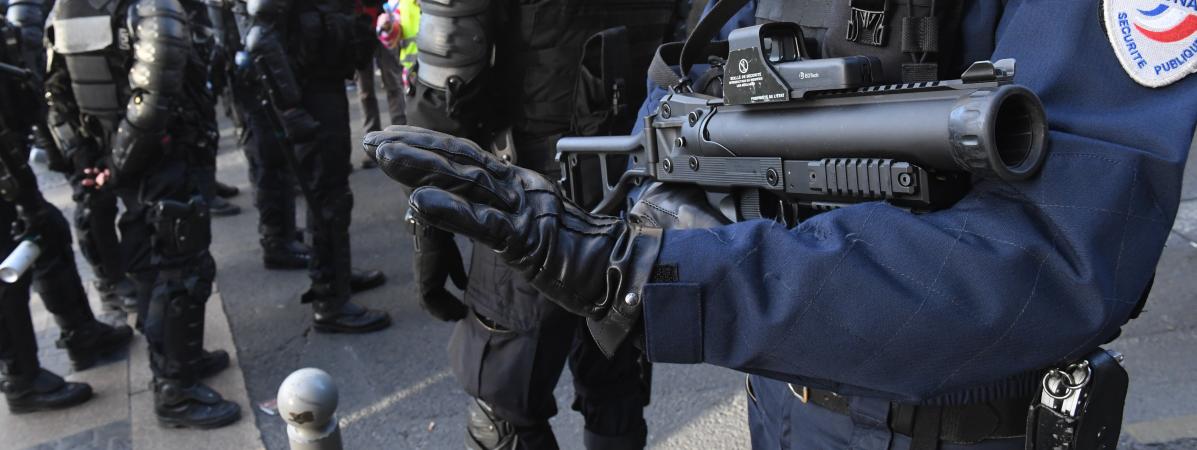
(454, 42)
(198, 282)
(87, 241)
(181, 229)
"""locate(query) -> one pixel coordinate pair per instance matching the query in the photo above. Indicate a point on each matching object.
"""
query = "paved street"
(396, 389)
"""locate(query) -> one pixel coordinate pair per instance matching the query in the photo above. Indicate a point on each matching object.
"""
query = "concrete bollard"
(307, 400)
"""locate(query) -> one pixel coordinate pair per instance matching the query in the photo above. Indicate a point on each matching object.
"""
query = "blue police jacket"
(873, 300)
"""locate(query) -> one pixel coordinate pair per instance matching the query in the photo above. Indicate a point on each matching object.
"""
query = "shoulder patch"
(1155, 40)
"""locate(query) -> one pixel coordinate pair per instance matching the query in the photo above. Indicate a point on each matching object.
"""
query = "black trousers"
(174, 259)
(325, 167)
(268, 170)
(202, 167)
(56, 279)
(511, 351)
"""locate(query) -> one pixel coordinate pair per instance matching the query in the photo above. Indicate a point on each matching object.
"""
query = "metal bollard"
(307, 400)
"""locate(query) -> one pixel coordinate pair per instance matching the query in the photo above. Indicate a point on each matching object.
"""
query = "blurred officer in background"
(26, 215)
(129, 100)
(273, 183)
(304, 51)
(514, 77)
(95, 212)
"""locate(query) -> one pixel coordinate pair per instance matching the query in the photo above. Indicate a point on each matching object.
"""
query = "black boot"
(343, 316)
(284, 254)
(364, 280)
(225, 190)
(220, 207)
(89, 344)
(209, 364)
(117, 295)
(42, 392)
(192, 405)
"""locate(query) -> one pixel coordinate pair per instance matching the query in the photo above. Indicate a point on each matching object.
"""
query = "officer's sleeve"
(62, 116)
(29, 18)
(264, 42)
(160, 47)
(1016, 276)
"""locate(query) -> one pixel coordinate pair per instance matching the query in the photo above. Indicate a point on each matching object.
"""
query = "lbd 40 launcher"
(794, 136)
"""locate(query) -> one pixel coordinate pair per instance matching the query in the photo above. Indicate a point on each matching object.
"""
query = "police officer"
(268, 171)
(125, 75)
(868, 326)
(95, 212)
(26, 385)
(507, 76)
(306, 49)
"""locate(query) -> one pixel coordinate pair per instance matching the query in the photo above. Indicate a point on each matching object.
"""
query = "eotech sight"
(794, 136)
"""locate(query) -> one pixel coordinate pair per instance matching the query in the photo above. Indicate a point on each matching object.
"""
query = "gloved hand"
(582, 262)
(437, 260)
(299, 125)
(34, 220)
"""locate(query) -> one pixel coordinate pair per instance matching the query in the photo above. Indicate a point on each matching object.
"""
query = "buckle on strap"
(866, 23)
(804, 396)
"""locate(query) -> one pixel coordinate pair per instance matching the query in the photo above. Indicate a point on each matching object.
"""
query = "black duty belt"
(963, 424)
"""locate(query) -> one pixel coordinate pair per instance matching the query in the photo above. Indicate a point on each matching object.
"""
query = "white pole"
(19, 261)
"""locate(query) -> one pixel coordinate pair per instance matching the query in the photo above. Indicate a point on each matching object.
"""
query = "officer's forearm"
(160, 50)
(18, 184)
(270, 59)
(264, 42)
(27, 17)
(872, 299)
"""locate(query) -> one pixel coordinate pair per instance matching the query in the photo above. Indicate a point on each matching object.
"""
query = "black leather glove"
(299, 125)
(34, 221)
(437, 260)
(585, 263)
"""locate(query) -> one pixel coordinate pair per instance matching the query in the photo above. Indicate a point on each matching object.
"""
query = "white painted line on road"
(392, 399)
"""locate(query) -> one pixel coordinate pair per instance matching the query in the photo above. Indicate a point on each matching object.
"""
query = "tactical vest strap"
(697, 43)
(920, 34)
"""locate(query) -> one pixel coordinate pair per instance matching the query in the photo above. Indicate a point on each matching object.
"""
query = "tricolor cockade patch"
(1155, 40)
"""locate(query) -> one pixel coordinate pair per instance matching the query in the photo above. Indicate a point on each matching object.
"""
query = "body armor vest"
(95, 44)
(600, 57)
(327, 39)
